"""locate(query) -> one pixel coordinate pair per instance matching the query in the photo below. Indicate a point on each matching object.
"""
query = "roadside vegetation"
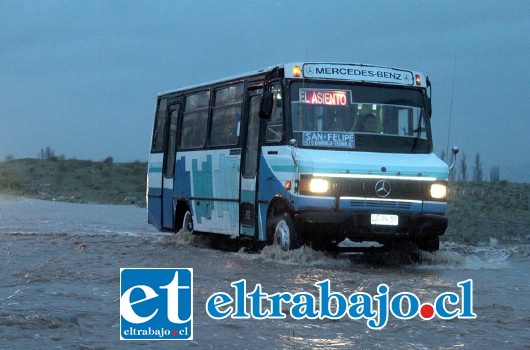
(72, 180)
(478, 212)
(485, 212)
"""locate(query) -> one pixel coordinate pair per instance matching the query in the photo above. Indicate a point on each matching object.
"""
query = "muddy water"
(59, 286)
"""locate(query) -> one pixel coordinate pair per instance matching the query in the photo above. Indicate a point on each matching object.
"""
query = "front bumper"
(358, 227)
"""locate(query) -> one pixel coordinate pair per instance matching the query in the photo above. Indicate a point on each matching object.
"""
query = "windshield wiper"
(418, 133)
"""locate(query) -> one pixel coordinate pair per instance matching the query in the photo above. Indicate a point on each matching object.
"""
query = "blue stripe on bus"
(270, 187)
(182, 182)
(203, 187)
(155, 168)
(154, 191)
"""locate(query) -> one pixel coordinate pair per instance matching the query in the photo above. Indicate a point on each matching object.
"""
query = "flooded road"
(60, 273)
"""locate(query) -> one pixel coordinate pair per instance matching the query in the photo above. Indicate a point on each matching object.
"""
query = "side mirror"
(455, 151)
(265, 109)
(429, 107)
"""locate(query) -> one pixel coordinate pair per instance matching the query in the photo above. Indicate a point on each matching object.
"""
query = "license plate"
(384, 219)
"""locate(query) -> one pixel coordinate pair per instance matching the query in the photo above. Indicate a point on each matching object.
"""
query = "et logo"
(156, 304)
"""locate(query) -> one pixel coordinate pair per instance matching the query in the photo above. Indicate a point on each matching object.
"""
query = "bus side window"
(160, 123)
(275, 123)
(225, 122)
(226, 116)
(194, 130)
(195, 120)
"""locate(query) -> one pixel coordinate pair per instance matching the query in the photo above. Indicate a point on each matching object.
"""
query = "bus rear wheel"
(187, 221)
(284, 233)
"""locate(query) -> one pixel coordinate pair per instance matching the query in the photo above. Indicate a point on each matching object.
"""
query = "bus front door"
(248, 209)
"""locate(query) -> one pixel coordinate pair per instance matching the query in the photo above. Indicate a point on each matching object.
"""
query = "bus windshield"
(360, 117)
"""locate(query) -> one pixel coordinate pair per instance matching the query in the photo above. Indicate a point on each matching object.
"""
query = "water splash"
(458, 256)
(451, 255)
(302, 256)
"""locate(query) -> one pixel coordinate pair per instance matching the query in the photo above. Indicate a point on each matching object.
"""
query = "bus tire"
(429, 244)
(284, 233)
(187, 221)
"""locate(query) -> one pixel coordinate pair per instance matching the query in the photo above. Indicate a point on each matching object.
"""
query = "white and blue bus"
(300, 153)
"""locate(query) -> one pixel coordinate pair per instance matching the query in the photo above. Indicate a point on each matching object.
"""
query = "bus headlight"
(319, 186)
(438, 191)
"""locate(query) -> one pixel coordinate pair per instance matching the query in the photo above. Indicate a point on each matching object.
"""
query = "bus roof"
(331, 71)
(231, 78)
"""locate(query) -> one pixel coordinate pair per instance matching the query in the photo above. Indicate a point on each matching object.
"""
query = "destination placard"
(358, 73)
(328, 139)
(325, 97)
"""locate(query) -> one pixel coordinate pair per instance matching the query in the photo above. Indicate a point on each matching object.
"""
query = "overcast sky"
(82, 76)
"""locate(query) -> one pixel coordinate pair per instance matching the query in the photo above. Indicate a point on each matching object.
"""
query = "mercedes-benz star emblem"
(382, 188)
